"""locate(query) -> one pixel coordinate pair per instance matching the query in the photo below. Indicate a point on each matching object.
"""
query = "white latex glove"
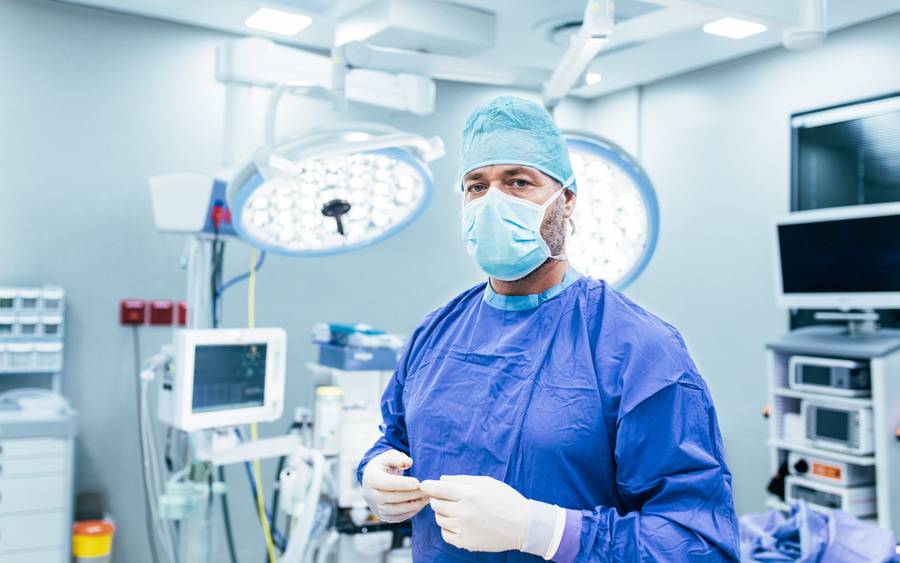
(484, 514)
(391, 496)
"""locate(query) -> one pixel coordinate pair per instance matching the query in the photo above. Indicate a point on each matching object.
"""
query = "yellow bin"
(92, 541)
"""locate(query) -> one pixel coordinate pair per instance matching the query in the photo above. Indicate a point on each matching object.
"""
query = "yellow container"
(92, 538)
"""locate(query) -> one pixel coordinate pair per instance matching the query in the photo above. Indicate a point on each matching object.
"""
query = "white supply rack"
(37, 444)
(881, 352)
(31, 331)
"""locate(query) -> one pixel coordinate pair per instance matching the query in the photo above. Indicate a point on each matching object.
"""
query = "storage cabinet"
(36, 493)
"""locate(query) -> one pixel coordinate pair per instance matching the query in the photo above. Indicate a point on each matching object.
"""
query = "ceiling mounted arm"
(594, 33)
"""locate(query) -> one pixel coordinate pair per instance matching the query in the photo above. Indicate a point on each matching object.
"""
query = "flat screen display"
(229, 377)
(832, 424)
(820, 498)
(815, 375)
(842, 256)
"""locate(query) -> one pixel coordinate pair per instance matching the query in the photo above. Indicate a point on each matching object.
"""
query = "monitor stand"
(859, 323)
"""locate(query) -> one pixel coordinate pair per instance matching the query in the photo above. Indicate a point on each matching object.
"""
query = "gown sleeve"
(673, 482)
(675, 490)
(393, 412)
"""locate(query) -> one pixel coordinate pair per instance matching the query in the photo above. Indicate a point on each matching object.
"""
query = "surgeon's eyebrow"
(472, 176)
(521, 171)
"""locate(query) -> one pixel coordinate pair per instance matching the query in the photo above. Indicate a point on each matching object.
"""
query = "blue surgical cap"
(510, 130)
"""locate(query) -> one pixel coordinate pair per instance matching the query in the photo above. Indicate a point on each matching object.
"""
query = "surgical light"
(733, 28)
(616, 217)
(278, 21)
(333, 190)
(592, 78)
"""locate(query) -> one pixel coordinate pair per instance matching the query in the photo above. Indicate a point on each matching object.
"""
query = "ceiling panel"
(657, 38)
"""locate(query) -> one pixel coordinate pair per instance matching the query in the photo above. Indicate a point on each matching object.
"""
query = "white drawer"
(31, 494)
(31, 447)
(43, 556)
(32, 466)
(32, 531)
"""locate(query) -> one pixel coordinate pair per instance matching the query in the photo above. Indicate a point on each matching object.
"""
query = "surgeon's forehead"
(503, 170)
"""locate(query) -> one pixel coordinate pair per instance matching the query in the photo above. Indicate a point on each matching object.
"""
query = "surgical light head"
(616, 217)
(510, 130)
(334, 189)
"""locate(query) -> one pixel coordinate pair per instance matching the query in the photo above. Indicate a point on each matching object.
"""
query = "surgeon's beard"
(553, 231)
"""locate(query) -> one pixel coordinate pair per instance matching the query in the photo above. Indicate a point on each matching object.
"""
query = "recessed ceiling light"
(592, 78)
(278, 21)
(733, 28)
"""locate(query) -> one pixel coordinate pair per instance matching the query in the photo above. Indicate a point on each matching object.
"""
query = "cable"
(151, 466)
(217, 264)
(251, 299)
(167, 453)
(278, 539)
(237, 279)
(226, 516)
(276, 490)
(147, 512)
(260, 504)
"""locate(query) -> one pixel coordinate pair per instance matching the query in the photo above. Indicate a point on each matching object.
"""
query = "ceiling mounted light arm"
(594, 33)
(357, 54)
(426, 149)
(278, 91)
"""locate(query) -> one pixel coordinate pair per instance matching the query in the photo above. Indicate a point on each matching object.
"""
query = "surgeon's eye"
(519, 183)
(475, 188)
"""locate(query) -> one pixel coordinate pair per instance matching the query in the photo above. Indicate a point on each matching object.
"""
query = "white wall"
(92, 103)
(716, 144)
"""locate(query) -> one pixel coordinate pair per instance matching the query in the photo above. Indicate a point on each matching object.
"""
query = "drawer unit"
(32, 494)
(7, 300)
(23, 532)
(51, 326)
(32, 447)
(28, 300)
(32, 466)
(7, 325)
(48, 356)
(29, 326)
(52, 299)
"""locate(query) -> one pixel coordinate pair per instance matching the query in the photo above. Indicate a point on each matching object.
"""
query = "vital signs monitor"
(224, 377)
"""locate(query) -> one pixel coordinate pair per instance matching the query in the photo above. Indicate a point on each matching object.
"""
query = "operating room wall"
(92, 103)
(716, 144)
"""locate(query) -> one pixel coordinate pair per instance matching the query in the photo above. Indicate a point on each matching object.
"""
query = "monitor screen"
(841, 256)
(816, 375)
(230, 376)
(833, 424)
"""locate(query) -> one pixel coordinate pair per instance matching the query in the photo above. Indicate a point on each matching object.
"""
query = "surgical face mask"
(503, 234)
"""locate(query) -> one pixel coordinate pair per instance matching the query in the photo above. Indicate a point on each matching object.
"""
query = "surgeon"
(542, 414)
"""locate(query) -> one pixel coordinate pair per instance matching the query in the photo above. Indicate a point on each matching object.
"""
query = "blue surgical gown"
(582, 399)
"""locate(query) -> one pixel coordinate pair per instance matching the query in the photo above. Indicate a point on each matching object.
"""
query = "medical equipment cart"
(822, 435)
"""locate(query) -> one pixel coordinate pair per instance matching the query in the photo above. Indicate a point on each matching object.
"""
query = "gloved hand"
(484, 514)
(391, 496)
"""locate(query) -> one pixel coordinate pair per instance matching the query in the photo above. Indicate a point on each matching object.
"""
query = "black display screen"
(845, 256)
(820, 498)
(815, 375)
(229, 376)
(833, 424)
